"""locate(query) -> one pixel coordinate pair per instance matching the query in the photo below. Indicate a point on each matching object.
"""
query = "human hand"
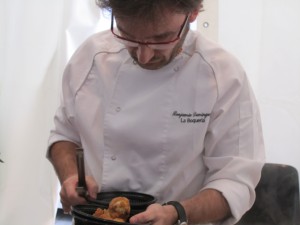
(69, 195)
(156, 214)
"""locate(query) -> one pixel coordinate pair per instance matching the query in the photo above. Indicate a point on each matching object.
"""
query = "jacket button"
(113, 158)
(118, 109)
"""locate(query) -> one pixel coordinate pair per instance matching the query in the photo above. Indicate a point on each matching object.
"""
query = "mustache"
(153, 60)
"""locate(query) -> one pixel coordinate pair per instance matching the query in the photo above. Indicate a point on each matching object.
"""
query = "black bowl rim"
(103, 198)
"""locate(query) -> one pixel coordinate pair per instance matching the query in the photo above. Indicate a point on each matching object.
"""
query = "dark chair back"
(277, 197)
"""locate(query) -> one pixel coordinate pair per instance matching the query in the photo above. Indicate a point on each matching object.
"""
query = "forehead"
(165, 22)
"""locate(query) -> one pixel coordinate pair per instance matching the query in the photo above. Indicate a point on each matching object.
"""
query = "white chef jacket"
(191, 125)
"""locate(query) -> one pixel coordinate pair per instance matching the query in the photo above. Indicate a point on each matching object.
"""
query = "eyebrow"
(157, 36)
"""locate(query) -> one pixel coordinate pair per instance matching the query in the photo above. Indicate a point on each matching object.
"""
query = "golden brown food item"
(119, 220)
(118, 210)
(102, 213)
(119, 207)
(98, 212)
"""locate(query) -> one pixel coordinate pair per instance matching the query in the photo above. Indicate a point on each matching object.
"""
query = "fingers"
(92, 187)
(142, 218)
(156, 214)
(69, 196)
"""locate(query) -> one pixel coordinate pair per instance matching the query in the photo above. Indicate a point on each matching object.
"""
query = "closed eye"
(155, 38)
(165, 36)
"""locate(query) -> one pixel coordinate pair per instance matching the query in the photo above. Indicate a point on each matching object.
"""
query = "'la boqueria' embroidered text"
(191, 117)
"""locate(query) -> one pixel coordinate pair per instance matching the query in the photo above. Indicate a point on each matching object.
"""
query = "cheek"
(166, 52)
(163, 54)
(168, 55)
(131, 50)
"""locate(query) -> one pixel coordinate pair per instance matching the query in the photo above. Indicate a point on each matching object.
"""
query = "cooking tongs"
(81, 187)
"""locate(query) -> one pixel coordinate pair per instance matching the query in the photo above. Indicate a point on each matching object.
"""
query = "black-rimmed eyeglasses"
(153, 45)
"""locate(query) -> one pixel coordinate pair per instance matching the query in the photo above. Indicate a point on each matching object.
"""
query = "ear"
(195, 12)
(193, 16)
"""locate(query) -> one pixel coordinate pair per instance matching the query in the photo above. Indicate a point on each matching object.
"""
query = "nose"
(144, 54)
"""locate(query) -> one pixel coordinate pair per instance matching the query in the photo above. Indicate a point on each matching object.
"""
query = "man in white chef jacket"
(161, 110)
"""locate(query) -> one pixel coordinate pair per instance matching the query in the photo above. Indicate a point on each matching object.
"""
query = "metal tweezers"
(81, 187)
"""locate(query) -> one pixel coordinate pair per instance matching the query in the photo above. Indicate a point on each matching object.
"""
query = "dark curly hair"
(148, 9)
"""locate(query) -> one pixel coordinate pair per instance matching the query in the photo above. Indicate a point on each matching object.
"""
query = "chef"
(159, 109)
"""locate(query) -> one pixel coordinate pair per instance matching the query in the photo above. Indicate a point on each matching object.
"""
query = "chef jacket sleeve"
(75, 73)
(64, 128)
(234, 149)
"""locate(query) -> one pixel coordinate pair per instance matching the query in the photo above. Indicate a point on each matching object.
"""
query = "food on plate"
(118, 210)
(119, 207)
